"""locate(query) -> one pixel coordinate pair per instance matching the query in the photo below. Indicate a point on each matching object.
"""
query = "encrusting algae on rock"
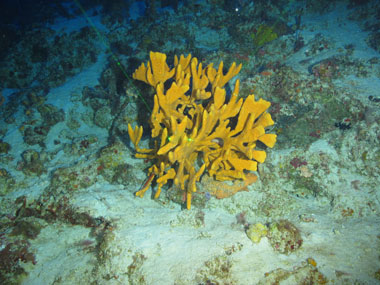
(196, 128)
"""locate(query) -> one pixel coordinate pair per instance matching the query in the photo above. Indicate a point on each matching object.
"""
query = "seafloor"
(68, 174)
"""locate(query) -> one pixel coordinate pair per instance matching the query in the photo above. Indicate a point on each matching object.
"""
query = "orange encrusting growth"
(221, 190)
(196, 129)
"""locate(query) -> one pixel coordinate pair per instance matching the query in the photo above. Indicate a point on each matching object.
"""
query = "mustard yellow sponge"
(196, 128)
(256, 231)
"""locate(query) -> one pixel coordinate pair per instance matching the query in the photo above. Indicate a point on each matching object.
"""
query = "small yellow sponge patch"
(192, 125)
(256, 232)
